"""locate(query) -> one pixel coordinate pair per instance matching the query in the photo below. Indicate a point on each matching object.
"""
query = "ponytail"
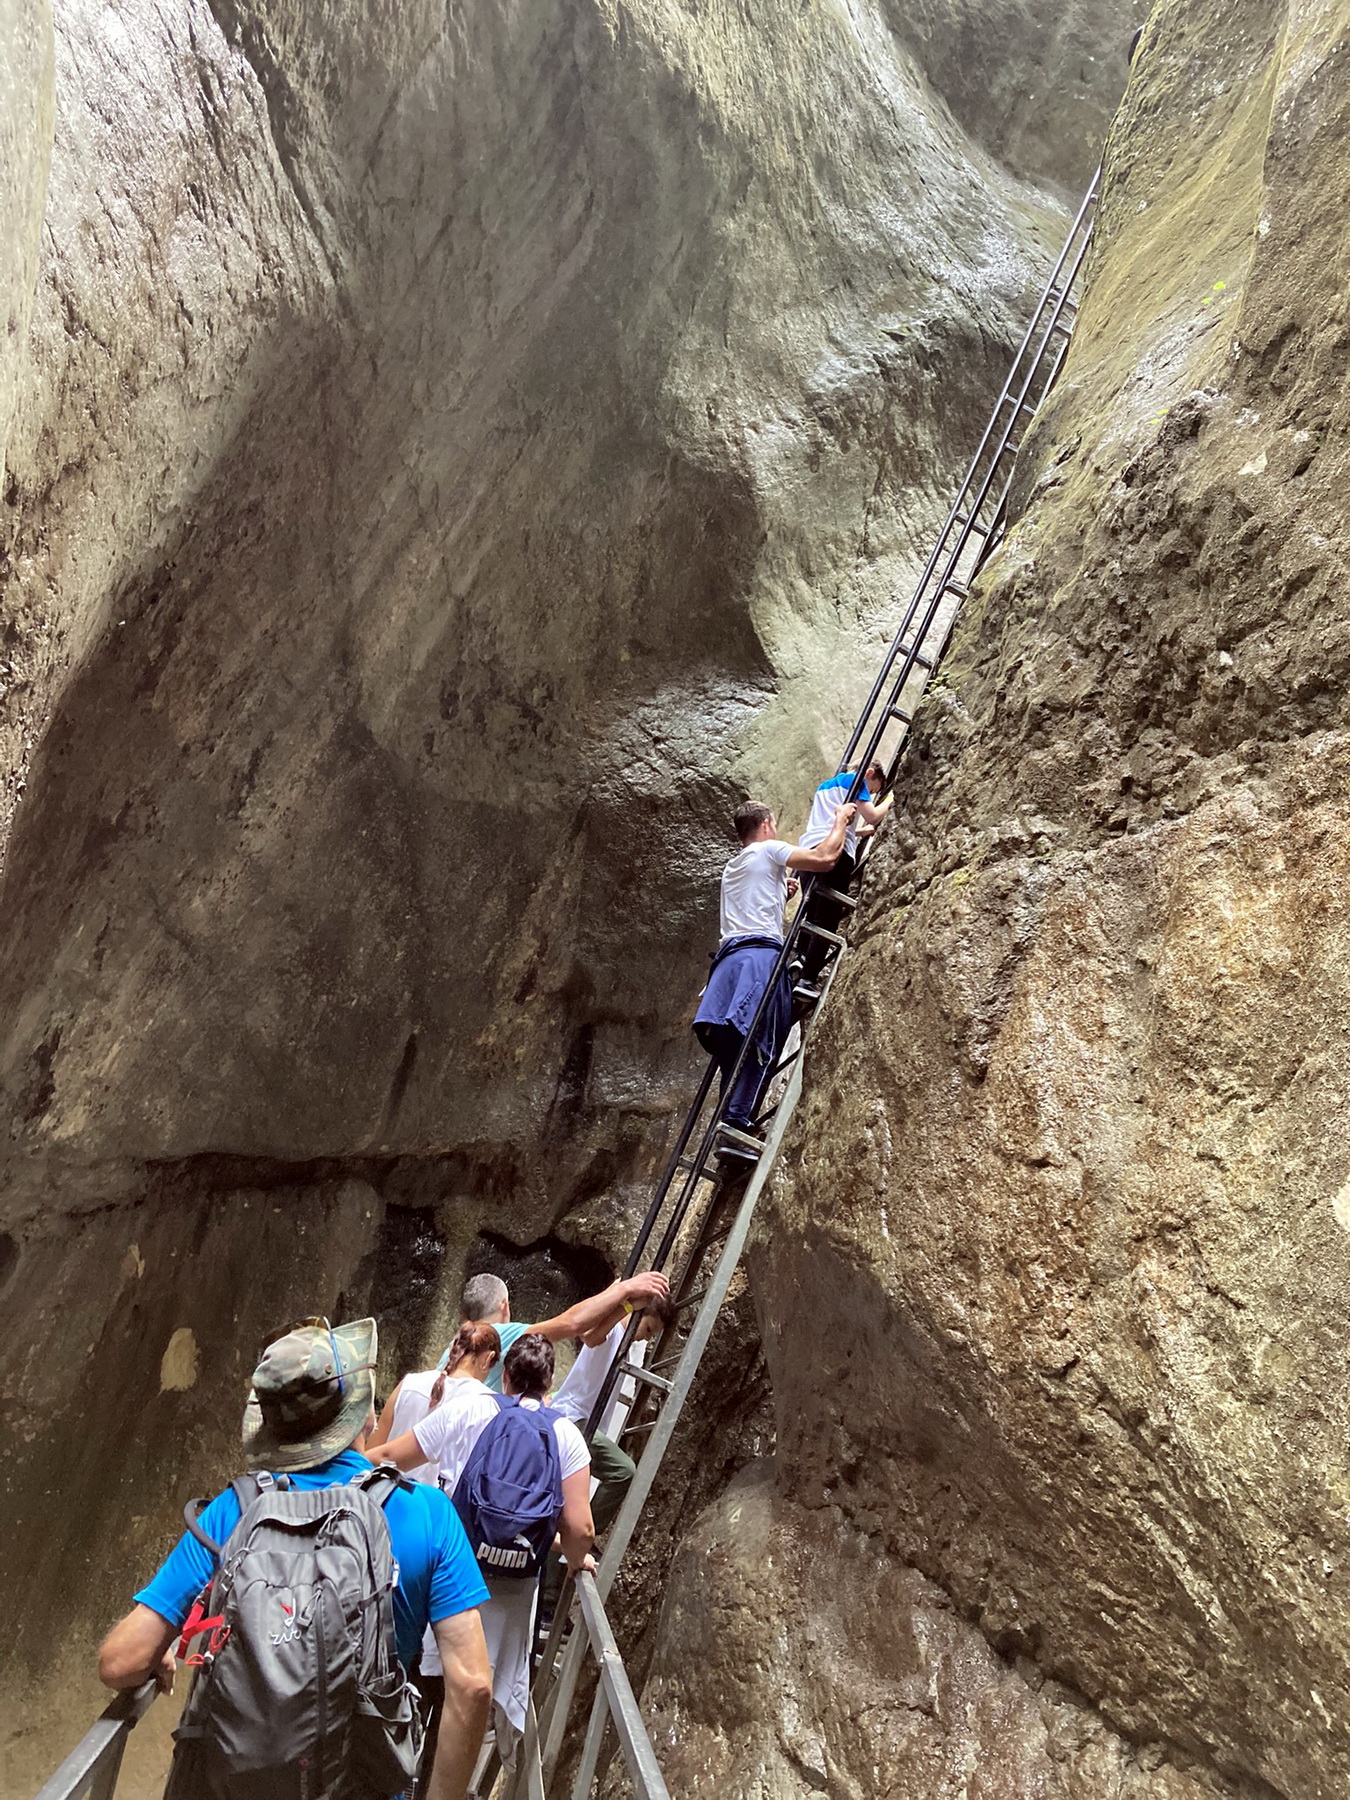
(473, 1338)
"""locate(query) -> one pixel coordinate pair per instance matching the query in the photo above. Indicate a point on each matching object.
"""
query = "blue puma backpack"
(509, 1496)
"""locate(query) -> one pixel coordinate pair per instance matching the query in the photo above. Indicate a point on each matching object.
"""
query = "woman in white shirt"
(446, 1437)
(508, 1613)
(474, 1352)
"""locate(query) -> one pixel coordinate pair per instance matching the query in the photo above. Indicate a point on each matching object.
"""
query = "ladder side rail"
(639, 1758)
(90, 1771)
(1081, 225)
(596, 1728)
(554, 1717)
(664, 1185)
(675, 1223)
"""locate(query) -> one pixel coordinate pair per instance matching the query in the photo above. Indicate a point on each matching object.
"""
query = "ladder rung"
(691, 1299)
(690, 1167)
(669, 1362)
(641, 1373)
(898, 712)
(633, 1430)
(959, 588)
(834, 894)
(830, 937)
(965, 521)
(743, 1137)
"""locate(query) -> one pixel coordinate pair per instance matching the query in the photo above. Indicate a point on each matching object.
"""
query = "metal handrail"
(90, 1771)
(567, 1673)
(620, 1703)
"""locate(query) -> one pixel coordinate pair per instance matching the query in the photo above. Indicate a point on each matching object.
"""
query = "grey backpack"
(300, 1694)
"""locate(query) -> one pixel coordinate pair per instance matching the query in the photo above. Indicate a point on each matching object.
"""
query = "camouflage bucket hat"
(312, 1394)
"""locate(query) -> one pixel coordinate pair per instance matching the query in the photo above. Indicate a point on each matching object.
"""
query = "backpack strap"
(246, 1489)
(384, 1479)
(192, 1513)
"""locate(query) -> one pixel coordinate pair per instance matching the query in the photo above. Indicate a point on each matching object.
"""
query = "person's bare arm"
(604, 1310)
(405, 1452)
(380, 1435)
(468, 1699)
(576, 1529)
(874, 811)
(826, 853)
(136, 1650)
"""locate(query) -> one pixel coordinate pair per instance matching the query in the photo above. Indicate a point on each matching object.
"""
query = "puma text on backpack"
(300, 1694)
(509, 1496)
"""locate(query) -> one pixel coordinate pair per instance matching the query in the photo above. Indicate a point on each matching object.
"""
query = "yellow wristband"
(627, 1307)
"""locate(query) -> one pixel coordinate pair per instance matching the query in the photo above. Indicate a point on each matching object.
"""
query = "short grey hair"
(482, 1296)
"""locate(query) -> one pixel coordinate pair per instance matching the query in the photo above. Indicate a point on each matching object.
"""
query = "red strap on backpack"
(193, 1626)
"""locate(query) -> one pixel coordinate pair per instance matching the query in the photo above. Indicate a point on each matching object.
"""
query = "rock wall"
(1053, 1282)
(452, 454)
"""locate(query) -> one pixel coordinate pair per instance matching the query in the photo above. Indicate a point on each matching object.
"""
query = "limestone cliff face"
(1054, 1281)
(454, 452)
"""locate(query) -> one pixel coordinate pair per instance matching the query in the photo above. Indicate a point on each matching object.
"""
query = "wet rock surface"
(1067, 1194)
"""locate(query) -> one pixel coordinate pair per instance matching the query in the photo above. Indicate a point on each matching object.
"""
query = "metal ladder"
(703, 1209)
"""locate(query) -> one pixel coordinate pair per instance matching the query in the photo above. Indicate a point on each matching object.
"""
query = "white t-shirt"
(577, 1395)
(450, 1433)
(754, 890)
(411, 1406)
(825, 802)
(573, 1450)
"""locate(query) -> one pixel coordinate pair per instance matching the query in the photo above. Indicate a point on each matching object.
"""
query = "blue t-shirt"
(506, 1336)
(438, 1575)
(832, 793)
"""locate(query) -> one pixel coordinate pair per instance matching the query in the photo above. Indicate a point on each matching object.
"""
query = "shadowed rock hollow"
(1068, 1195)
(449, 455)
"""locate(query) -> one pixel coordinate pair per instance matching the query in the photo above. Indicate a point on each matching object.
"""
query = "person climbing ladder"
(754, 893)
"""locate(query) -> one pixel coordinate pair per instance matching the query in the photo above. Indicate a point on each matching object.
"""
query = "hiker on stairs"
(315, 1578)
(820, 909)
(487, 1298)
(612, 1469)
(475, 1352)
(527, 1477)
(754, 893)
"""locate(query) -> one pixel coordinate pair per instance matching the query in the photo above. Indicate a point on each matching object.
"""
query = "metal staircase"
(700, 1213)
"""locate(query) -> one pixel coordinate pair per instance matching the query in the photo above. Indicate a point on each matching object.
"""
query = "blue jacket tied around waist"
(740, 972)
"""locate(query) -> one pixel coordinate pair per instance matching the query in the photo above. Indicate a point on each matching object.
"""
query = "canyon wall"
(1052, 1280)
(450, 455)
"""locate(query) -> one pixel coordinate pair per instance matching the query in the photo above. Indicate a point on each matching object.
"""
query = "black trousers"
(826, 913)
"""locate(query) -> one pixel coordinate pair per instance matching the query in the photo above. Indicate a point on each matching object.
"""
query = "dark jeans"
(723, 1044)
(827, 913)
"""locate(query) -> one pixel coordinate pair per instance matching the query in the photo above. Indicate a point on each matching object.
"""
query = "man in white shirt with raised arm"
(754, 893)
